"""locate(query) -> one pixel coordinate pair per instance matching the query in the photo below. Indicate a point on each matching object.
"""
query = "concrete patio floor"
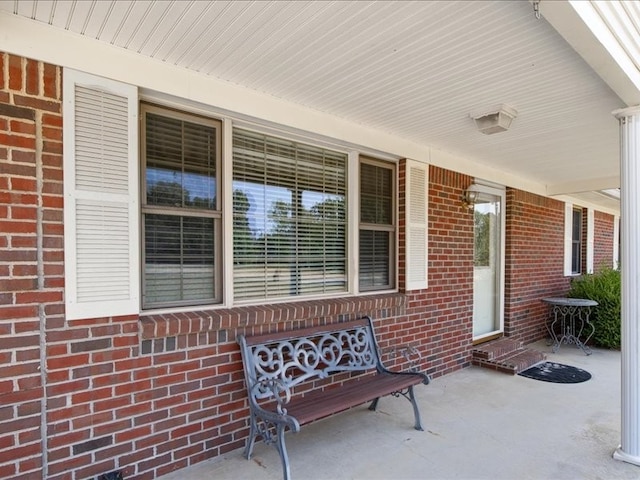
(479, 424)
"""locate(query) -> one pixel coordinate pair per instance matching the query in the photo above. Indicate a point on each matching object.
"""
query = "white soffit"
(402, 74)
(607, 35)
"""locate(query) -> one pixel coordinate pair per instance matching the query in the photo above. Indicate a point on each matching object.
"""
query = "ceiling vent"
(495, 120)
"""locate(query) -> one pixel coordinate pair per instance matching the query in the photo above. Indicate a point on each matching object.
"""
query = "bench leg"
(374, 404)
(251, 440)
(416, 412)
(282, 450)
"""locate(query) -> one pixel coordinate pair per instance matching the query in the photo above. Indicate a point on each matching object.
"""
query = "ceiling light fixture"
(495, 120)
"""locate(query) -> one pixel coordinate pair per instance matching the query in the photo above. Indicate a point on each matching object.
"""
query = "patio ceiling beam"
(603, 37)
(580, 186)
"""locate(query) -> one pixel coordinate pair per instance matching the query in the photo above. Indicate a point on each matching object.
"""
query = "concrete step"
(505, 355)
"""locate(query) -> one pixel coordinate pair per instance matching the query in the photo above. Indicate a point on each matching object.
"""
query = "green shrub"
(604, 288)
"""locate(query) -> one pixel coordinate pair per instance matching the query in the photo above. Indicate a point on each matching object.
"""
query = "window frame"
(215, 214)
(391, 229)
(577, 244)
(294, 142)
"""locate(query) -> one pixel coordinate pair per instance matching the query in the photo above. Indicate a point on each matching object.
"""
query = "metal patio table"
(570, 322)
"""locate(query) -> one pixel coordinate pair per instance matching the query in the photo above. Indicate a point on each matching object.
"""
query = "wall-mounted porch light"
(495, 120)
(470, 196)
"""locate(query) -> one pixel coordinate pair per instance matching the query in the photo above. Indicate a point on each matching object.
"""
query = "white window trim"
(568, 238)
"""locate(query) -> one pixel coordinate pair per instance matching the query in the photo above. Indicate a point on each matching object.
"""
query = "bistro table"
(570, 321)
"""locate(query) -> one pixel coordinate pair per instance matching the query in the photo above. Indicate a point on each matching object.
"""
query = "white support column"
(629, 450)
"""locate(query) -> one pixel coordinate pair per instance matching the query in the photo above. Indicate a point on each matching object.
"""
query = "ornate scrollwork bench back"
(277, 365)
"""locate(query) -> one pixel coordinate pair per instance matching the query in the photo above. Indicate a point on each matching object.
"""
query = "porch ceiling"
(413, 70)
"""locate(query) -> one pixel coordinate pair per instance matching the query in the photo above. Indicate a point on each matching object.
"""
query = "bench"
(287, 378)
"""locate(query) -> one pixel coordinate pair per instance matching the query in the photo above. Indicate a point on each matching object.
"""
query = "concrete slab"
(479, 424)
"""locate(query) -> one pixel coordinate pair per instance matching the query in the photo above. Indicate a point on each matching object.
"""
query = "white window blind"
(289, 218)
(100, 189)
(417, 181)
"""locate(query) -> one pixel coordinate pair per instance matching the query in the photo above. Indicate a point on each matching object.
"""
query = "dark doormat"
(556, 373)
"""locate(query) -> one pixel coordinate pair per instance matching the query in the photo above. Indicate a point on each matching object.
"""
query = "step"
(496, 348)
(506, 355)
(513, 362)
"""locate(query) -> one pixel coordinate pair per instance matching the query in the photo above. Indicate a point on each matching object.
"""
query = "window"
(289, 218)
(180, 208)
(576, 241)
(377, 225)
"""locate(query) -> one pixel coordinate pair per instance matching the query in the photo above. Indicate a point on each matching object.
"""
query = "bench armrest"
(281, 394)
(276, 389)
(412, 356)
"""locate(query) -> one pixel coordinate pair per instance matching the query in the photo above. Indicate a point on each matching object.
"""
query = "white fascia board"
(28, 38)
(580, 186)
(584, 29)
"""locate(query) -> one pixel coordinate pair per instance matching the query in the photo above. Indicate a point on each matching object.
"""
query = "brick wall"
(440, 317)
(603, 240)
(31, 277)
(534, 262)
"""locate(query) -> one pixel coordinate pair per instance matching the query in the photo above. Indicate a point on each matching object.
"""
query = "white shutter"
(417, 181)
(101, 217)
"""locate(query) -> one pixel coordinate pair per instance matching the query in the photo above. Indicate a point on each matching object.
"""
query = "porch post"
(629, 450)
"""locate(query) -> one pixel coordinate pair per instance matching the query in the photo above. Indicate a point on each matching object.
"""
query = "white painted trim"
(353, 222)
(227, 211)
(616, 242)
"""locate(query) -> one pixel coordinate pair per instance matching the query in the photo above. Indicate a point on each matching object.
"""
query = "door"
(488, 263)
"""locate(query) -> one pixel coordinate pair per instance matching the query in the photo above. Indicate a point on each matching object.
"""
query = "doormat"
(556, 373)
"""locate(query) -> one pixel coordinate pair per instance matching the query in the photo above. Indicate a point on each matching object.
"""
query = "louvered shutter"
(417, 182)
(101, 216)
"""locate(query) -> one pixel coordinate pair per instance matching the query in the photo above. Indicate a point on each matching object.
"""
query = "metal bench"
(284, 375)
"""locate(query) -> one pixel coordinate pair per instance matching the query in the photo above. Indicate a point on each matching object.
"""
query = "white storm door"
(488, 264)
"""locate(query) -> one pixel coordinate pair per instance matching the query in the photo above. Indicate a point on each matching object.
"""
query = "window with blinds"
(576, 242)
(181, 208)
(289, 218)
(377, 225)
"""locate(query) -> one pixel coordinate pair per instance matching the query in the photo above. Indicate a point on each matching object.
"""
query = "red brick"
(17, 141)
(23, 184)
(22, 127)
(2, 63)
(37, 103)
(32, 75)
(15, 73)
(50, 76)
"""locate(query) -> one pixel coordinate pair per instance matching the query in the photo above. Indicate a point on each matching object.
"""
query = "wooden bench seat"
(282, 370)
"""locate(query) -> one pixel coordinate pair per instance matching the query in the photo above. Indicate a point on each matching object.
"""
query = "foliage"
(604, 288)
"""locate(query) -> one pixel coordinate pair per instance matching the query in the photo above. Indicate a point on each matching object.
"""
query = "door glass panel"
(487, 265)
